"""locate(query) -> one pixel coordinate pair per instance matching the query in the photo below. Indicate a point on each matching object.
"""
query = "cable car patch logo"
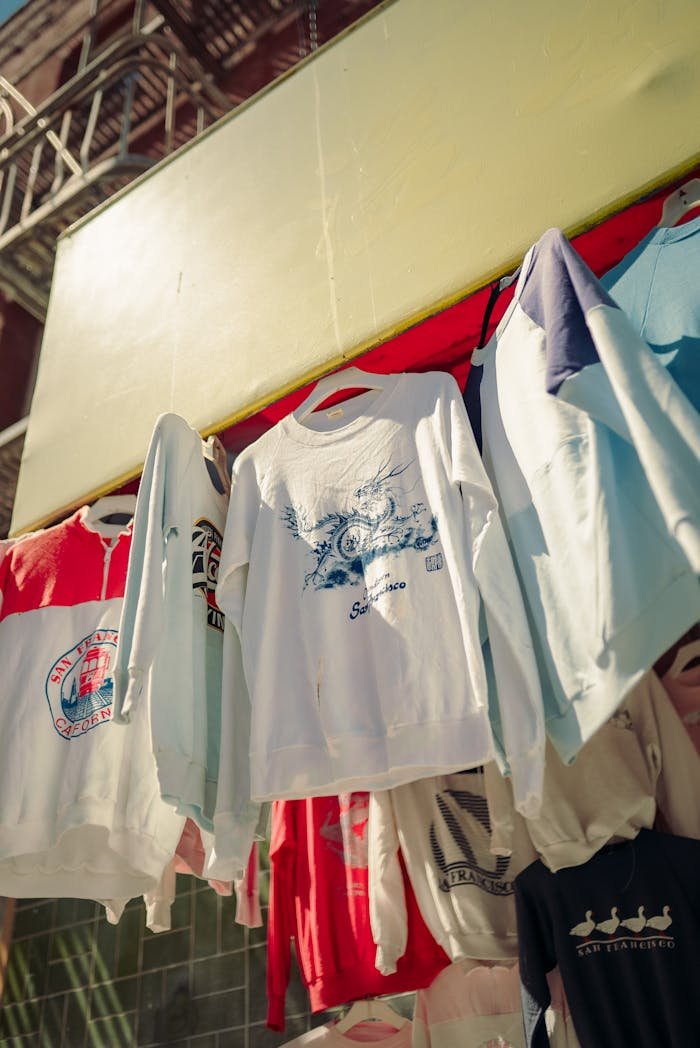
(79, 686)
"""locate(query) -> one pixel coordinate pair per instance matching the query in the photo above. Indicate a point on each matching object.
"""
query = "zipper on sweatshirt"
(109, 550)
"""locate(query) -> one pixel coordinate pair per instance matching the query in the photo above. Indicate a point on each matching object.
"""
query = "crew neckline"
(671, 234)
(303, 434)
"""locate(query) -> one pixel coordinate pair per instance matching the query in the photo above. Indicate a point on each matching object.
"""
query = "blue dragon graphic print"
(344, 542)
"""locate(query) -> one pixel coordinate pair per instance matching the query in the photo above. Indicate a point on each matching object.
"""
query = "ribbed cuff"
(275, 1012)
(128, 688)
(527, 775)
(386, 959)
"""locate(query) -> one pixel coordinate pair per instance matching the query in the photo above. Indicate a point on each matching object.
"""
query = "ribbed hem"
(183, 784)
(116, 863)
(563, 854)
(80, 883)
(352, 762)
(486, 946)
(234, 833)
(363, 980)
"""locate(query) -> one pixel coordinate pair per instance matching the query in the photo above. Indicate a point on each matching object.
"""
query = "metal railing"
(135, 102)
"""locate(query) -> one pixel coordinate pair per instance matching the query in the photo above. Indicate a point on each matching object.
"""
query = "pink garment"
(469, 988)
(248, 893)
(683, 687)
(7, 544)
(474, 1003)
(371, 1031)
(190, 858)
(366, 1032)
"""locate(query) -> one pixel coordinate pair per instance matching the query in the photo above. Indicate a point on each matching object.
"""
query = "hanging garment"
(656, 285)
(619, 381)
(80, 810)
(355, 561)
(319, 897)
(7, 544)
(472, 1005)
(157, 901)
(625, 932)
(441, 828)
(640, 759)
(190, 858)
(171, 634)
(379, 1033)
(247, 888)
(682, 684)
(598, 536)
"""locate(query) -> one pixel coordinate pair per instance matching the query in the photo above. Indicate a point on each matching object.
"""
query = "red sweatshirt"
(319, 895)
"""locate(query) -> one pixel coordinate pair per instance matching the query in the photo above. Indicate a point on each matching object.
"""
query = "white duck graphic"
(661, 923)
(610, 926)
(584, 929)
(635, 924)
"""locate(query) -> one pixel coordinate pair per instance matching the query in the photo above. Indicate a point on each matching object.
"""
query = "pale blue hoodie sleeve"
(143, 612)
(519, 723)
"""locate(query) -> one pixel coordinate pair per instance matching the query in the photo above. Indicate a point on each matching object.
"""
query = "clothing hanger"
(112, 509)
(687, 657)
(215, 457)
(348, 378)
(496, 290)
(370, 1008)
(680, 202)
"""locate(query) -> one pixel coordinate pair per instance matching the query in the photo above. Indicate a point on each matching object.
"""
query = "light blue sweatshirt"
(592, 449)
(658, 286)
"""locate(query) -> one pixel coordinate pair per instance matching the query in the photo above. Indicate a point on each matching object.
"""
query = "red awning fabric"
(445, 341)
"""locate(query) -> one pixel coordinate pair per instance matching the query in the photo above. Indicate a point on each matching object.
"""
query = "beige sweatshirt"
(465, 895)
(642, 757)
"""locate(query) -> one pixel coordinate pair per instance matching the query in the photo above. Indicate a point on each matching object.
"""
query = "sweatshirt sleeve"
(281, 922)
(235, 814)
(517, 680)
(237, 544)
(387, 899)
(678, 785)
(159, 901)
(499, 800)
(142, 617)
(536, 958)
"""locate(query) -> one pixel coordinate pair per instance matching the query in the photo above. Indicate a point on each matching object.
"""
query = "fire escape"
(141, 79)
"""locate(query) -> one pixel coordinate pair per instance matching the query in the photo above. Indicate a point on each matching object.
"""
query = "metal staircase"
(135, 79)
(159, 74)
(137, 100)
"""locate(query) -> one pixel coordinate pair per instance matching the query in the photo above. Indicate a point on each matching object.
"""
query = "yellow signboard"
(386, 176)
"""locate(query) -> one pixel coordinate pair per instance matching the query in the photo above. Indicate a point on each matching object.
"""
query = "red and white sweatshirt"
(80, 812)
(319, 895)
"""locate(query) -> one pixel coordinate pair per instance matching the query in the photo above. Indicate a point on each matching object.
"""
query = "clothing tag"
(335, 413)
